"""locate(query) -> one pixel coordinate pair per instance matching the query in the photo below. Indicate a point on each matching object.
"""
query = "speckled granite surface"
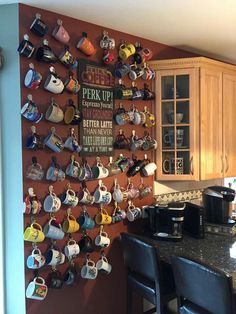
(219, 251)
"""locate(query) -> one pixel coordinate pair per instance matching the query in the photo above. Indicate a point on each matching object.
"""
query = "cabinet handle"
(222, 164)
(227, 164)
(191, 166)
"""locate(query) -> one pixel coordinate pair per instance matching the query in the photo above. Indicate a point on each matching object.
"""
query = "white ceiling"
(207, 27)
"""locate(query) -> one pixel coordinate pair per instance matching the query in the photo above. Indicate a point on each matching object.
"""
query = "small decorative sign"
(96, 104)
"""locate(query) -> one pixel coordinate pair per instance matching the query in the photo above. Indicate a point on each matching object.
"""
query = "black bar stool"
(201, 288)
(147, 275)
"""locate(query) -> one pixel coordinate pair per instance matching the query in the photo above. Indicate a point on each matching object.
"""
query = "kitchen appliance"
(165, 221)
(194, 224)
(216, 201)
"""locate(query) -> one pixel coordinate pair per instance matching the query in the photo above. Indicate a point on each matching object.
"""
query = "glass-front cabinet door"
(176, 116)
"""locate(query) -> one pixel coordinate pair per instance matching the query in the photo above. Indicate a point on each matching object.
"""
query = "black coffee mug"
(69, 276)
(38, 26)
(45, 53)
(86, 244)
(138, 165)
(55, 280)
(26, 48)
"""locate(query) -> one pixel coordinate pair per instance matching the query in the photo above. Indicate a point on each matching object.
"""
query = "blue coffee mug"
(123, 70)
(85, 221)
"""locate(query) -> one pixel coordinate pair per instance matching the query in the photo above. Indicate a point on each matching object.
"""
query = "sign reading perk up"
(96, 104)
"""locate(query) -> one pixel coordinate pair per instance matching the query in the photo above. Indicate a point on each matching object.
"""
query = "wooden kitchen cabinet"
(195, 109)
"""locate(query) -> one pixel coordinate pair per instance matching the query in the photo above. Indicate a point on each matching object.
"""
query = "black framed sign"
(96, 104)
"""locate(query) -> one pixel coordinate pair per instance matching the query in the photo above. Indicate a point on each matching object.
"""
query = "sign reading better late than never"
(96, 104)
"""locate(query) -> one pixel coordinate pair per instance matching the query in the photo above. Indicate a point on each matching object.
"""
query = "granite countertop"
(219, 251)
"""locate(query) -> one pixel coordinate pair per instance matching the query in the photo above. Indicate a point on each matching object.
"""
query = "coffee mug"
(30, 111)
(54, 141)
(34, 233)
(142, 55)
(26, 48)
(54, 257)
(35, 171)
(55, 279)
(53, 83)
(73, 169)
(38, 26)
(54, 112)
(86, 244)
(45, 53)
(107, 42)
(99, 171)
(31, 203)
(102, 218)
(126, 50)
(72, 249)
(133, 213)
(102, 240)
(36, 260)
(121, 92)
(70, 225)
(72, 114)
(117, 193)
(37, 290)
(86, 172)
(71, 142)
(85, 197)
(52, 203)
(69, 198)
(173, 165)
(54, 172)
(60, 33)
(144, 191)
(53, 230)
(103, 265)
(101, 195)
(89, 270)
(108, 57)
(32, 78)
(34, 140)
(169, 137)
(149, 169)
(122, 70)
(71, 84)
(86, 46)
(118, 215)
(70, 275)
(67, 59)
(85, 221)
(113, 168)
(135, 72)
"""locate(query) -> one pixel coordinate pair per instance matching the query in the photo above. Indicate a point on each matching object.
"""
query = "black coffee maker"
(216, 201)
(165, 221)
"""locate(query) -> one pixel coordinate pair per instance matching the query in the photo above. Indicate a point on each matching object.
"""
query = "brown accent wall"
(106, 294)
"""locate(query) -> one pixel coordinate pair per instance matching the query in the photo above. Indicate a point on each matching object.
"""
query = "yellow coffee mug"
(126, 50)
(34, 233)
(70, 225)
(102, 218)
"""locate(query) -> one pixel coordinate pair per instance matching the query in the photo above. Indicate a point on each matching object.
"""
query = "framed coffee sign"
(96, 104)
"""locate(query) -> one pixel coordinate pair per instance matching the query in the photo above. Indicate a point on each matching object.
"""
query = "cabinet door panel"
(229, 124)
(211, 126)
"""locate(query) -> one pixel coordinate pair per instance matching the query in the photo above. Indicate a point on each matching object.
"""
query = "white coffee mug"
(117, 194)
(101, 195)
(53, 232)
(102, 239)
(54, 257)
(89, 270)
(102, 264)
(149, 169)
(71, 249)
(53, 83)
(133, 213)
(36, 260)
(37, 290)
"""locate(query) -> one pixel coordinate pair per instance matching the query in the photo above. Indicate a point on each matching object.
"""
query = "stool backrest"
(140, 256)
(203, 285)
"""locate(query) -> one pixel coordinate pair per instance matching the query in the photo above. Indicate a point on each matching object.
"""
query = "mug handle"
(71, 192)
(71, 241)
(104, 234)
(36, 250)
(36, 279)
(71, 217)
(103, 211)
(92, 263)
(164, 166)
(36, 224)
(166, 141)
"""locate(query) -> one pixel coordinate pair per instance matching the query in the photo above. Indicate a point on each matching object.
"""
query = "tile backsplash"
(178, 196)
